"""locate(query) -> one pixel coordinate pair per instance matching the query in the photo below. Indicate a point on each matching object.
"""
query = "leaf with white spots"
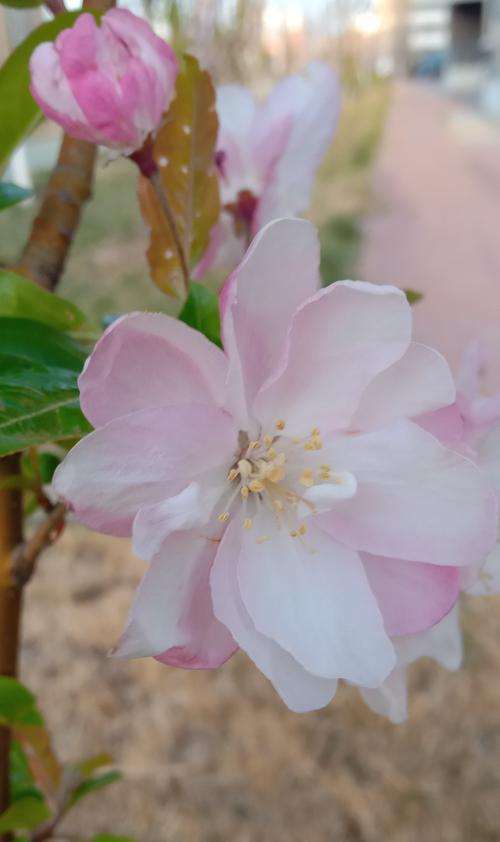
(184, 152)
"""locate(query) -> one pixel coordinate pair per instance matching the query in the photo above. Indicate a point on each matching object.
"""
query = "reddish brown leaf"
(184, 152)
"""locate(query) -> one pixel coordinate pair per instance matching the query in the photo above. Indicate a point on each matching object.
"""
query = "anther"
(233, 473)
(294, 533)
(307, 478)
(268, 440)
(253, 445)
(247, 523)
(280, 424)
(256, 486)
(302, 529)
(223, 517)
(245, 468)
(244, 491)
(325, 467)
(315, 431)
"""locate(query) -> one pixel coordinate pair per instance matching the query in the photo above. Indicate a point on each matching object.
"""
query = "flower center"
(276, 473)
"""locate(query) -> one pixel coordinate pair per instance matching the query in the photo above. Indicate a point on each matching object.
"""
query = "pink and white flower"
(109, 83)
(287, 503)
(267, 157)
(472, 426)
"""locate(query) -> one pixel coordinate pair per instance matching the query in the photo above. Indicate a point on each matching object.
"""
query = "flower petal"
(391, 699)
(300, 690)
(191, 508)
(411, 596)
(338, 342)
(279, 271)
(419, 382)
(314, 102)
(314, 600)
(140, 459)
(489, 456)
(146, 360)
(415, 499)
(172, 616)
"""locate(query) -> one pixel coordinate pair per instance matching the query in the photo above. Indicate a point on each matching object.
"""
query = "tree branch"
(25, 555)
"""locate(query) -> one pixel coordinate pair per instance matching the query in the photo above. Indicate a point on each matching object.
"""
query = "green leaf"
(22, 782)
(12, 194)
(23, 299)
(39, 402)
(110, 837)
(88, 766)
(19, 112)
(17, 704)
(21, 4)
(413, 295)
(201, 311)
(24, 814)
(91, 785)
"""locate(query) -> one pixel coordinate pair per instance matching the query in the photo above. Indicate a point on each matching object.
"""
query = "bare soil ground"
(216, 757)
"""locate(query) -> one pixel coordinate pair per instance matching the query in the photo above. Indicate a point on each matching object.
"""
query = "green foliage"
(21, 4)
(19, 112)
(91, 785)
(23, 299)
(201, 311)
(22, 781)
(12, 194)
(17, 704)
(24, 814)
(340, 240)
(110, 837)
(39, 366)
(413, 295)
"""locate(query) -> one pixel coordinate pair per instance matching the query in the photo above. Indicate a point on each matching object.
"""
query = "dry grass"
(215, 756)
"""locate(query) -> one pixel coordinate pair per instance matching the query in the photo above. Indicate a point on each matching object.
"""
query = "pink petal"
(445, 424)
(300, 690)
(489, 456)
(391, 699)
(314, 600)
(172, 616)
(191, 508)
(419, 382)
(411, 596)
(278, 272)
(338, 342)
(415, 499)
(314, 101)
(148, 359)
(50, 89)
(140, 459)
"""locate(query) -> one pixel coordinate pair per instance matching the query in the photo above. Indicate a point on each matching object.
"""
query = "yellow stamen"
(244, 491)
(223, 517)
(315, 432)
(271, 453)
(256, 486)
(307, 478)
(302, 529)
(233, 473)
(325, 475)
(294, 533)
(247, 523)
(325, 467)
(268, 440)
(253, 445)
(245, 468)
(280, 424)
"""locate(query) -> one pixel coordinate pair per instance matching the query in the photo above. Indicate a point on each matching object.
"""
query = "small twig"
(25, 555)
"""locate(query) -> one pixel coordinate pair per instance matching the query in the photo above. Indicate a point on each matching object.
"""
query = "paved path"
(436, 222)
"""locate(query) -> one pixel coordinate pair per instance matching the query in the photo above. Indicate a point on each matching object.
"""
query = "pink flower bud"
(107, 84)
